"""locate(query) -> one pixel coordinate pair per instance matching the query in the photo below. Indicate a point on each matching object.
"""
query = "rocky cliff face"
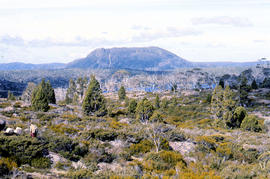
(150, 58)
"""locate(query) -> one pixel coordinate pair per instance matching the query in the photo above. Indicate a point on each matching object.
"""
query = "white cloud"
(223, 20)
(169, 32)
(48, 42)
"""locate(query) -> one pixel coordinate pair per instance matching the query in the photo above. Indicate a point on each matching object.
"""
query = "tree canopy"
(94, 101)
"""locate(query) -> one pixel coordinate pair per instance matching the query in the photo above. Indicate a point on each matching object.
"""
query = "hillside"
(29, 66)
(149, 58)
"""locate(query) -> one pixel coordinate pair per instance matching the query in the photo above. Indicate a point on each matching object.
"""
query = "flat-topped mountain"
(147, 58)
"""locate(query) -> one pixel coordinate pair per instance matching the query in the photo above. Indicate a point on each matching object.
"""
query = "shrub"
(141, 148)
(238, 116)
(156, 117)
(251, 123)
(71, 117)
(5, 104)
(11, 96)
(68, 148)
(132, 107)
(7, 113)
(122, 93)
(81, 173)
(98, 154)
(17, 105)
(144, 110)
(102, 134)
(6, 165)
(22, 149)
(162, 161)
(64, 129)
(41, 163)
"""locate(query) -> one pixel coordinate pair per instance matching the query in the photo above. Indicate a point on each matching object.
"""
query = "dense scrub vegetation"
(202, 134)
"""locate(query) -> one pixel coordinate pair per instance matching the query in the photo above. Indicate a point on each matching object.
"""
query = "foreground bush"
(251, 123)
(68, 148)
(22, 149)
(162, 161)
(6, 165)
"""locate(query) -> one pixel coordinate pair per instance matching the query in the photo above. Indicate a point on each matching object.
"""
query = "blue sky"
(43, 31)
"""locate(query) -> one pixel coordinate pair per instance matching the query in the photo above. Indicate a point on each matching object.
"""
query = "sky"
(46, 31)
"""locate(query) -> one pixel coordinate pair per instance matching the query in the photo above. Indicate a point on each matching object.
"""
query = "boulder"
(183, 147)
(2, 124)
(267, 124)
(9, 131)
(18, 131)
(9, 109)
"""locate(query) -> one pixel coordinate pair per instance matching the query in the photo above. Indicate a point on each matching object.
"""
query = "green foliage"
(254, 84)
(174, 87)
(228, 105)
(156, 117)
(42, 96)
(6, 166)
(5, 104)
(164, 104)
(208, 98)
(68, 148)
(94, 102)
(266, 83)
(238, 116)
(162, 161)
(157, 102)
(122, 93)
(144, 110)
(143, 147)
(217, 102)
(221, 83)
(81, 173)
(102, 134)
(70, 91)
(64, 129)
(81, 86)
(132, 107)
(251, 123)
(11, 96)
(50, 93)
(98, 154)
(244, 89)
(22, 149)
(41, 163)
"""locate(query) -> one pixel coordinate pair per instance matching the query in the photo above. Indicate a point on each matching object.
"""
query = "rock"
(26, 131)
(18, 131)
(267, 124)
(9, 131)
(117, 147)
(15, 115)
(56, 158)
(2, 124)
(10, 108)
(177, 137)
(182, 147)
(78, 165)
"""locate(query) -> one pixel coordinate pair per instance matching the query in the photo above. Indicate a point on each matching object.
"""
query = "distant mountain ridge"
(135, 58)
(147, 58)
(29, 66)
